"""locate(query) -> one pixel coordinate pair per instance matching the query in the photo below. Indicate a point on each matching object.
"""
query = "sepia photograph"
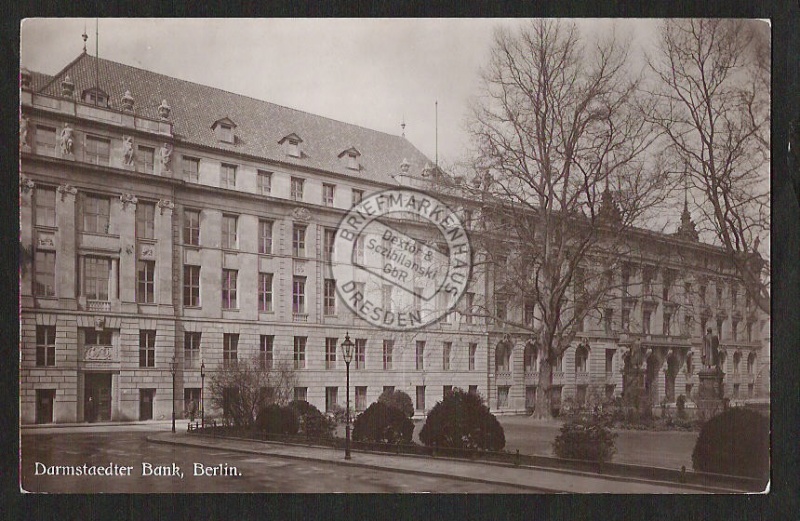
(473, 256)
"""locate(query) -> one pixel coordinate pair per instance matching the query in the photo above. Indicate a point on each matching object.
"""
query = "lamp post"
(202, 400)
(347, 355)
(172, 369)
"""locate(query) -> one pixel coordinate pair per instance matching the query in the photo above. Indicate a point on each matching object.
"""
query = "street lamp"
(347, 355)
(202, 387)
(172, 368)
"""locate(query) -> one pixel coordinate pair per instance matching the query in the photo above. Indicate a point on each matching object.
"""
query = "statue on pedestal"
(127, 150)
(66, 140)
(710, 355)
(166, 156)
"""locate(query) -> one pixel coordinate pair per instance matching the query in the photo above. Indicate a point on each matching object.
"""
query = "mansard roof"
(260, 125)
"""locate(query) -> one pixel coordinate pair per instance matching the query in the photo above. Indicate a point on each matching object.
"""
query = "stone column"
(26, 187)
(163, 233)
(66, 239)
(126, 226)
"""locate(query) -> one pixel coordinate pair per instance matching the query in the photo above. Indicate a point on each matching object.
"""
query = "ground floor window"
(580, 395)
(191, 402)
(502, 396)
(473, 389)
(361, 398)
(331, 398)
(555, 399)
(45, 400)
(530, 397)
(301, 394)
(420, 398)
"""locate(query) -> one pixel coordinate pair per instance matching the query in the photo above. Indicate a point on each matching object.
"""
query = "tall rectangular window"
(667, 323)
(45, 210)
(300, 352)
(191, 286)
(420, 406)
(328, 191)
(625, 319)
(646, 321)
(527, 313)
(386, 297)
(420, 355)
(96, 277)
(265, 236)
(145, 159)
(608, 317)
(266, 351)
(473, 348)
(45, 273)
(300, 394)
(96, 212)
(98, 150)
(145, 281)
(45, 139)
(229, 232)
(361, 397)
(230, 349)
(360, 250)
(331, 398)
(358, 195)
(45, 346)
(191, 227)
(502, 396)
(610, 361)
(328, 240)
(469, 304)
(191, 169)
(229, 287)
(329, 297)
(446, 348)
(297, 188)
(361, 353)
(299, 295)
(501, 307)
(330, 353)
(265, 291)
(227, 176)
(298, 240)
(388, 347)
(147, 348)
(264, 182)
(191, 349)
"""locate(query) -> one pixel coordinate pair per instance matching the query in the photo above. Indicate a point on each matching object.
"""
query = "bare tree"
(560, 160)
(712, 94)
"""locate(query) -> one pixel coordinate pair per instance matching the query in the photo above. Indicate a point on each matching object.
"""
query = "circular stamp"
(403, 259)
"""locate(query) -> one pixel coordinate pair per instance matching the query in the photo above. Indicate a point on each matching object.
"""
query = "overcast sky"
(371, 73)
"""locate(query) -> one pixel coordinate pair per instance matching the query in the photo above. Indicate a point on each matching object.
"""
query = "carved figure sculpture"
(127, 149)
(66, 139)
(707, 357)
(23, 131)
(166, 156)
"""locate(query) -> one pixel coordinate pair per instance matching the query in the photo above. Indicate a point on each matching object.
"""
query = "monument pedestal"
(710, 395)
(632, 384)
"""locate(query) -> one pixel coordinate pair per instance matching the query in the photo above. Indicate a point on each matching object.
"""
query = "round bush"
(461, 420)
(734, 442)
(274, 419)
(383, 424)
(313, 423)
(398, 400)
(588, 439)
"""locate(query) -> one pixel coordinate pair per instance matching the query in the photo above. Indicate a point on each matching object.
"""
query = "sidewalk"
(531, 478)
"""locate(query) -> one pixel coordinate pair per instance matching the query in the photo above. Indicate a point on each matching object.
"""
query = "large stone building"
(172, 224)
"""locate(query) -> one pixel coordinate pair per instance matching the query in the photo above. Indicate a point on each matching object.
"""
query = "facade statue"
(127, 150)
(635, 355)
(66, 140)
(710, 356)
(166, 156)
(23, 131)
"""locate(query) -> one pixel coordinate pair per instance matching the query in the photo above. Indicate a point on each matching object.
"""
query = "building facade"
(172, 224)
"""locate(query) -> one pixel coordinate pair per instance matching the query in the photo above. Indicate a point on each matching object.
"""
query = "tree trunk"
(542, 409)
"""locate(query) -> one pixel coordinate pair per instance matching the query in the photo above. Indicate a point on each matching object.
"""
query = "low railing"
(98, 305)
(300, 317)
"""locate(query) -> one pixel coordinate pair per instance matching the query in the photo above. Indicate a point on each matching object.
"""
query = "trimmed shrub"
(274, 419)
(384, 424)
(313, 423)
(461, 420)
(734, 442)
(399, 400)
(586, 439)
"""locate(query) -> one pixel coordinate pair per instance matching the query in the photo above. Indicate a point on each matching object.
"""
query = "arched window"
(751, 362)
(530, 355)
(737, 359)
(581, 358)
(502, 356)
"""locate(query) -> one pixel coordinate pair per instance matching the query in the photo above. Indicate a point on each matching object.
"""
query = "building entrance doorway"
(44, 405)
(97, 397)
(146, 397)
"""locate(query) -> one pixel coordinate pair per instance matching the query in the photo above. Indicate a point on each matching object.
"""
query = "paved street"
(127, 446)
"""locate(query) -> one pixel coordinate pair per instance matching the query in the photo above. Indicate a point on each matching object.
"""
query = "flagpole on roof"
(96, 57)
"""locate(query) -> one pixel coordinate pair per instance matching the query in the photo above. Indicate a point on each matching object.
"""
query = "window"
(45, 210)
(92, 337)
(580, 394)
(737, 360)
(191, 349)
(96, 211)
(469, 303)
(45, 346)
(328, 240)
(388, 347)
(191, 227)
(300, 352)
(446, 348)
(264, 182)
(502, 396)
(328, 192)
(581, 359)
(647, 280)
(749, 331)
(96, 277)
(145, 282)
(610, 361)
(473, 348)
(229, 287)
(734, 294)
(191, 169)
(331, 398)
(559, 363)
(44, 273)
(420, 398)
(473, 389)
(147, 348)
(529, 356)
(300, 394)
(702, 291)
(734, 328)
(229, 235)
(719, 294)
(265, 291)
(646, 321)
(687, 324)
(145, 220)
(360, 356)
(358, 195)
(95, 97)
(45, 139)
(608, 318)
(145, 159)
(226, 133)
(667, 322)
(329, 297)
(330, 353)
(501, 306)
(625, 321)
(527, 313)
(265, 236)
(751, 362)
(352, 160)
(446, 389)
(98, 150)
(297, 188)
(420, 355)
(191, 286)
(230, 349)
(361, 397)
(298, 240)
(626, 279)
(227, 176)
(299, 295)
(386, 297)
(360, 250)
(265, 353)
(719, 327)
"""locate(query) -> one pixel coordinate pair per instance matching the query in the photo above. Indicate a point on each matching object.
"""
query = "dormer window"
(291, 145)
(95, 96)
(223, 129)
(350, 158)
